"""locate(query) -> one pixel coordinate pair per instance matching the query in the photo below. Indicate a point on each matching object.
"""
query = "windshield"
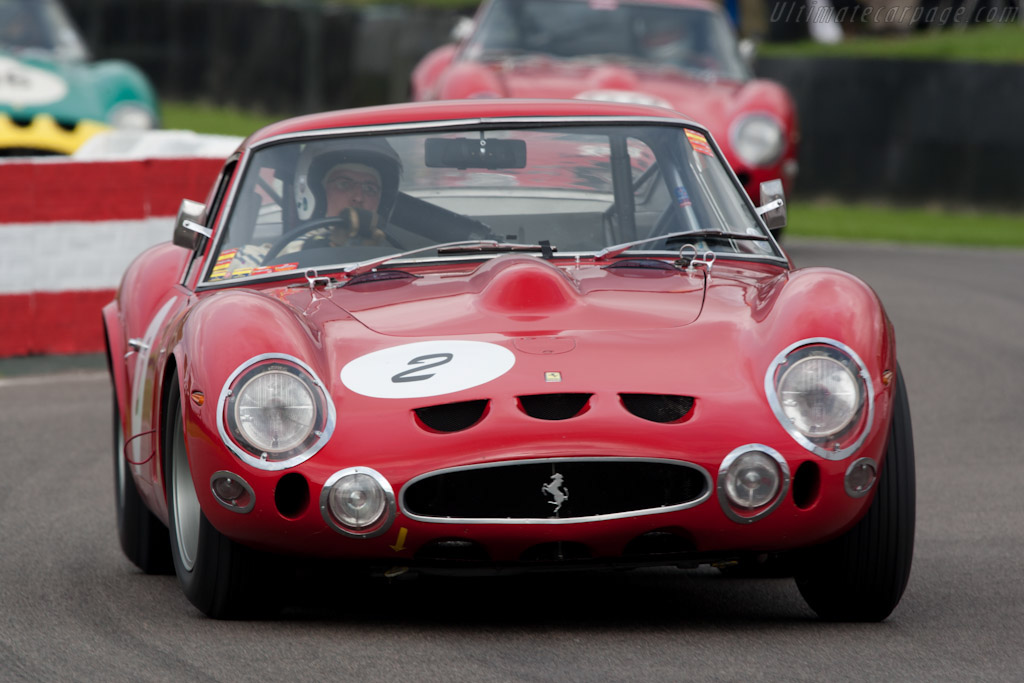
(38, 25)
(687, 38)
(565, 190)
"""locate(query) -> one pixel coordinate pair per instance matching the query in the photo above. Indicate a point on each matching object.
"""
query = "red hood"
(713, 103)
(521, 295)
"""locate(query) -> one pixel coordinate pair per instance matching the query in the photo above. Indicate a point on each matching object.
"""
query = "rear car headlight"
(821, 393)
(358, 502)
(752, 481)
(274, 413)
(130, 116)
(757, 139)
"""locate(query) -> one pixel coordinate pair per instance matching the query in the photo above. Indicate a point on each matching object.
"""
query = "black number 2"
(408, 376)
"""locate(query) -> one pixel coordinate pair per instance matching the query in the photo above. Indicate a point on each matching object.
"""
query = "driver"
(355, 180)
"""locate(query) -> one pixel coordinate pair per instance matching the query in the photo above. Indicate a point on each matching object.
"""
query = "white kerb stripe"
(74, 255)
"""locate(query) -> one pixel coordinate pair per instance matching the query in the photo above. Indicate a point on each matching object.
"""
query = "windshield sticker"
(699, 142)
(266, 270)
(682, 197)
(220, 268)
(430, 368)
(26, 86)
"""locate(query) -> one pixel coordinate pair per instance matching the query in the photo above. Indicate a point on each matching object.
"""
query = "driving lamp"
(358, 502)
(751, 482)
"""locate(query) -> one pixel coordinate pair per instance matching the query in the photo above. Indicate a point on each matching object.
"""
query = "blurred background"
(906, 104)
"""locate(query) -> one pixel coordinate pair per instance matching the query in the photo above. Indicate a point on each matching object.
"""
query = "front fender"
(113, 333)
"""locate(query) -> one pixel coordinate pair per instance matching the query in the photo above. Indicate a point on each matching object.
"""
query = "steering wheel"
(296, 232)
(343, 221)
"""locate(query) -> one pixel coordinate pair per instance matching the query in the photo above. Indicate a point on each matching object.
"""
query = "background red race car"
(680, 54)
(427, 338)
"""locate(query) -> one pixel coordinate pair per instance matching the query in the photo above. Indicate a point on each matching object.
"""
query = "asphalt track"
(72, 608)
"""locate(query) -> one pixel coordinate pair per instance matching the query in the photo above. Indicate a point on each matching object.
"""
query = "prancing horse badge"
(556, 491)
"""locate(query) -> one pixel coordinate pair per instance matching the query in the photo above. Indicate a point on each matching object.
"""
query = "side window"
(213, 205)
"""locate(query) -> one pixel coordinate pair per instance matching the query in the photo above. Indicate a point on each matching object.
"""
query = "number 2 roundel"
(429, 368)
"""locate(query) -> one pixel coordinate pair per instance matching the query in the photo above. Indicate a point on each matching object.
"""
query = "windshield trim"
(523, 122)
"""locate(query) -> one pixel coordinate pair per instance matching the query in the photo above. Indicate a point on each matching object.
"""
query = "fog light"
(752, 481)
(358, 502)
(860, 477)
(232, 491)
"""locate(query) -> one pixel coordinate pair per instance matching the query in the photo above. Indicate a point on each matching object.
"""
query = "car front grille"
(555, 490)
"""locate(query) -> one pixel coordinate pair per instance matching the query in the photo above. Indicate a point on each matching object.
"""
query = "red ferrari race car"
(680, 54)
(428, 338)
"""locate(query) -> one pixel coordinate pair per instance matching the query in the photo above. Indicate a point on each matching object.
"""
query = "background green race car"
(52, 97)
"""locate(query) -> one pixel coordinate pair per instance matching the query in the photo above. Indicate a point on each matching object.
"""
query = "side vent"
(452, 417)
(658, 407)
(554, 406)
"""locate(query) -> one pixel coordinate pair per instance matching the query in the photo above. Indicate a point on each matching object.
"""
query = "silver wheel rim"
(120, 468)
(185, 501)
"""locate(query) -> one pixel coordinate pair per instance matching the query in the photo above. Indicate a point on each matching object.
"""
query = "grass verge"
(212, 119)
(898, 224)
(990, 43)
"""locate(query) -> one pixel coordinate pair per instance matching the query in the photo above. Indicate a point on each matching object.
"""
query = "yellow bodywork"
(44, 134)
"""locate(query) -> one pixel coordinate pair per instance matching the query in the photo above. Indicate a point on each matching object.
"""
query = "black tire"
(216, 574)
(861, 575)
(144, 538)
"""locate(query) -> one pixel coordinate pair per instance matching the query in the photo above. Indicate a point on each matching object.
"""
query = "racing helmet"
(319, 157)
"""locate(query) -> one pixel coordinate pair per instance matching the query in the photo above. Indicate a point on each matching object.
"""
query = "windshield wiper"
(463, 247)
(616, 249)
(492, 247)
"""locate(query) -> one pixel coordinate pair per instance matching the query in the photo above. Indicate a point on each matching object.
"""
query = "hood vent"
(452, 417)
(658, 407)
(554, 406)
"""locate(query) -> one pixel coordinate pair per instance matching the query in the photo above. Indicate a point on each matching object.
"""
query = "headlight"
(274, 413)
(757, 139)
(821, 393)
(358, 502)
(130, 116)
(752, 482)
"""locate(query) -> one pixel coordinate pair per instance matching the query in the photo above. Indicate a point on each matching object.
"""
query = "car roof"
(456, 110)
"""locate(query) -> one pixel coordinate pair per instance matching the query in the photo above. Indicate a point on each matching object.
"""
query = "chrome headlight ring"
(274, 412)
(822, 394)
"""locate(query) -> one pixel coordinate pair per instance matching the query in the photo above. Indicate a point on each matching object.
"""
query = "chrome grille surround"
(575, 471)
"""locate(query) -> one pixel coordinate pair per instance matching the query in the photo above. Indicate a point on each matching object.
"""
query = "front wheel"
(143, 536)
(861, 575)
(216, 574)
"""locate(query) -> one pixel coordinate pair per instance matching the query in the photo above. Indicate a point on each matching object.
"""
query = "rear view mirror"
(475, 153)
(188, 232)
(773, 204)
